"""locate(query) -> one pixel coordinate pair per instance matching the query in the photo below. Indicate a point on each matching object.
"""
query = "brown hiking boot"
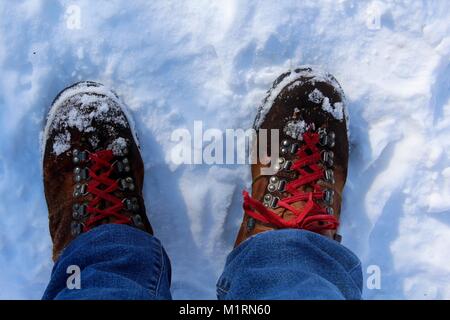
(304, 192)
(93, 170)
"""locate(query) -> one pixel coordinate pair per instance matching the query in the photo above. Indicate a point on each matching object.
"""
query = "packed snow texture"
(292, 80)
(174, 62)
(295, 129)
(94, 102)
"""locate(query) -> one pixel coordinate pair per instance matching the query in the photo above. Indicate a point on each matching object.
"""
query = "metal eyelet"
(328, 158)
(331, 139)
(330, 163)
(282, 185)
(80, 174)
(79, 211)
(78, 156)
(137, 221)
(131, 204)
(250, 224)
(274, 203)
(323, 136)
(287, 165)
(267, 198)
(127, 183)
(323, 140)
(285, 143)
(75, 228)
(80, 190)
(328, 196)
(123, 166)
(329, 176)
(270, 201)
(330, 211)
(75, 158)
(271, 187)
(274, 179)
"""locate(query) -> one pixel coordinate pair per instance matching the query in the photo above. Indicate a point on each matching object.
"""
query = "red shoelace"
(102, 187)
(312, 216)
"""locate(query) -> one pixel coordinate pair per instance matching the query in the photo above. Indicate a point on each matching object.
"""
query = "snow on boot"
(308, 109)
(93, 170)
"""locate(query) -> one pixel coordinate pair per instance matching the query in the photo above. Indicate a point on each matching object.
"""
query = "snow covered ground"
(175, 62)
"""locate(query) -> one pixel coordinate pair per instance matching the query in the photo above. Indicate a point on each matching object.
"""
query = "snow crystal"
(81, 118)
(94, 141)
(62, 143)
(295, 129)
(104, 107)
(316, 96)
(117, 146)
(94, 103)
(336, 110)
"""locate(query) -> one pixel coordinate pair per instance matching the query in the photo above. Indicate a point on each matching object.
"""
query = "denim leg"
(290, 264)
(116, 262)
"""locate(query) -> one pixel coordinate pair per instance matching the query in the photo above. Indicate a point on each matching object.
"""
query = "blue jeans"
(121, 262)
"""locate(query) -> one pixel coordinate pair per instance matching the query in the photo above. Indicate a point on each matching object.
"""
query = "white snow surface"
(316, 96)
(81, 118)
(174, 62)
(336, 109)
(295, 129)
